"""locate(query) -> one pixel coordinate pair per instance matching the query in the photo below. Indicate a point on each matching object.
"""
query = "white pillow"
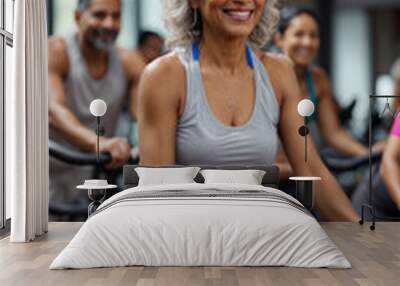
(247, 177)
(165, 176)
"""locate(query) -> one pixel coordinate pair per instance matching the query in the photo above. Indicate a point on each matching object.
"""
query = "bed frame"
(271, 177)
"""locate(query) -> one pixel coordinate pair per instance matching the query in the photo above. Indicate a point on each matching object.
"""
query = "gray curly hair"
(179, 17)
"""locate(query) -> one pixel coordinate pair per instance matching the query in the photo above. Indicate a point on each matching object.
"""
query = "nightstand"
(97, 190)
(305, 190)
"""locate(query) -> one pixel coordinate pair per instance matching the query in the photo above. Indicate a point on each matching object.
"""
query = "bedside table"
(97, 190)
(305, 190)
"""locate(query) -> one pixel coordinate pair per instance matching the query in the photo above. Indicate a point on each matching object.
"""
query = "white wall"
(352, 61)
(64, 22)
(151, 16)
(128, 36)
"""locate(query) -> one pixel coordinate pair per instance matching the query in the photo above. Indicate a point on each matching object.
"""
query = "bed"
(199, 224)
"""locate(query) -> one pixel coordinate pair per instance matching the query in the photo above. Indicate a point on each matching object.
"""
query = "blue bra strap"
(249, 57)
(195, 51)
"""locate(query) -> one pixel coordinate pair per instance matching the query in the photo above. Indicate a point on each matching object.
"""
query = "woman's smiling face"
(232, 18)
(301, 40)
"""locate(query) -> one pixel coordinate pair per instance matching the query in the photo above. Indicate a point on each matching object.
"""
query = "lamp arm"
(305, 139)
(98, 140)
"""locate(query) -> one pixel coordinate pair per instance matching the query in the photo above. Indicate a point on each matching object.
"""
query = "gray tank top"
(80, 90)
(201, 138)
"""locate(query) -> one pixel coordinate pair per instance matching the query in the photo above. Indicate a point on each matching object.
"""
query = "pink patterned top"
(396, 127)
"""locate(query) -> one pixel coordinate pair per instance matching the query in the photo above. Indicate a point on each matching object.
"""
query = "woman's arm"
(160, 91)
(334, 134)
(390, 168)
(331, 201)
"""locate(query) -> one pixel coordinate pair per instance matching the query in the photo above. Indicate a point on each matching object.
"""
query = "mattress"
(201, 225)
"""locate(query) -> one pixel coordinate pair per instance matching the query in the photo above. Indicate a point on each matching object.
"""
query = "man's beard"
(95, 38)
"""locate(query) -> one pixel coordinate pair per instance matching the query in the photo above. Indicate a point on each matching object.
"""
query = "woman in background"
(298, 38)
(217, 100)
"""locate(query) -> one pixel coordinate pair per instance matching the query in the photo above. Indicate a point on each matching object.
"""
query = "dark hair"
(83, 5)
(145, 35)
(291, 12)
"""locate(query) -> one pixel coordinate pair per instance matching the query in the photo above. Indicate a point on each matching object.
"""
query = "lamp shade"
(305, 107)
(98, 107)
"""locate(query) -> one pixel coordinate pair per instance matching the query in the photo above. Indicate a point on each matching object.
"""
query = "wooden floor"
(375, 257)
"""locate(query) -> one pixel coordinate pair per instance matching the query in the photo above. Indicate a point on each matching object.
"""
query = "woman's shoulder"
(166, 73)
(166, 67)
(164, 79)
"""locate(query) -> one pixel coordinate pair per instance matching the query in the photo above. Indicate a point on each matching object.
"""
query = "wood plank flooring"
(375, 257)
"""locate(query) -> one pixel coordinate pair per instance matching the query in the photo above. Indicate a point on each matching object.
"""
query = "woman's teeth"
(304, 53)
(239, 15)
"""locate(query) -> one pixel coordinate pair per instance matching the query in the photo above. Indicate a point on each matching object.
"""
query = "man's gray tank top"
(80, 89)
(201, 138)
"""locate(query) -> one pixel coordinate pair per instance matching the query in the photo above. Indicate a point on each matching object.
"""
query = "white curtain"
(27, 124)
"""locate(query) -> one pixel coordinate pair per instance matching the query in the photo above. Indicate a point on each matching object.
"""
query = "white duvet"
(201, 231)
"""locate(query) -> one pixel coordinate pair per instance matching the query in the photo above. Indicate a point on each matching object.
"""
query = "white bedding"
(200, 231)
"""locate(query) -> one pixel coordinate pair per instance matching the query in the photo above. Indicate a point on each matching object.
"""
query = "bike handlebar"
(74, 157)
(347, 164)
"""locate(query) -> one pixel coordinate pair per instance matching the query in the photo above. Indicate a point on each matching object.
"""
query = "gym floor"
(375, 257)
